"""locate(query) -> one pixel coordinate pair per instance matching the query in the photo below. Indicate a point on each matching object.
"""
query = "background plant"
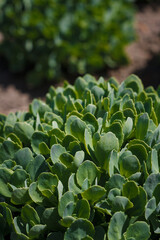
(83, 165)
(46, 38)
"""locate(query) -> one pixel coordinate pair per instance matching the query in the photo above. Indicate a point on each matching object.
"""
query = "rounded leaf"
(87, 170)
(104, 146)
(79, 229)
(138, 231)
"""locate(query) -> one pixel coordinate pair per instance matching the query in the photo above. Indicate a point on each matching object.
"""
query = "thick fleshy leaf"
(138, 231)
(35, 194)
(87, 170)
(130, 190)
(36, 167)
(134, 82)
(79, 229)
(150, 208)
(116, 226)
(37, 138)
(129, 165)
(121, 203)
(152, 181)
(72, 184)
(56, 151)
(104, 146)
(19, 178)
(67, 198)
(5, 176)
(139, 203)
(51, 219)
(116, 181)
(142, 126)
(23, 157)
(29, 215)
(94, 193)
(82, 209)
(46, 183)
(24, 131)
(77, 128)
(20, 196)
(7, 150)
(37, 231)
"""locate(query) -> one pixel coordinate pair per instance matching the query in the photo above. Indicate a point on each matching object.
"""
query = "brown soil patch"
(144, 55)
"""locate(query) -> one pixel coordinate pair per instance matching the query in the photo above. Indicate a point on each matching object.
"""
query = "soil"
(144, 56)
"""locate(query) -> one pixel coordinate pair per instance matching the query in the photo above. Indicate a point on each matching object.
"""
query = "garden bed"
(143, 55)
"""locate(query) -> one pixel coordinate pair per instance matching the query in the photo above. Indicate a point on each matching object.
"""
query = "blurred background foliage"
(45, 38)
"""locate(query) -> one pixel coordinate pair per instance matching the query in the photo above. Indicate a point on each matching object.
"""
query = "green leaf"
(67, 198)
(37, 106)
(139, 202)
(94, 193)
(104, 207)
(47, 183)
(68, 124)
(51, 219)
(142, 126)
(36, 167)
(37, 231)
(129, 165)
(23, 157)
(62, 173)
(56, 151)
(87, 170)
(77, 129)
(91, 122)
(80, 85)
(116, 226)
(29, 215)
(5, 176)
(113, 163)
(72, 184)
(116, 128)
(24, 131)
(138, 231)
(35, 194)
(18, 178)
(121, 203)
(127, 127)
(150, 208)
(82, 209)
(130, 190)
(156, 193)
(134, 82)
(116, 181)
(37, 138)
(139, 151)
(7, 150)
(104, 146)
(15, 139)
(152, 181)
(79, 229)
(67, 221)
(20, 196)
(19, 236)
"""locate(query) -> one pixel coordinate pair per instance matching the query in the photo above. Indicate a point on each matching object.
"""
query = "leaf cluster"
(46, 38)
(83, 165)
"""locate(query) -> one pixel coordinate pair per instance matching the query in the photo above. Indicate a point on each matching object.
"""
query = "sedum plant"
(83, 165)
(49, 37)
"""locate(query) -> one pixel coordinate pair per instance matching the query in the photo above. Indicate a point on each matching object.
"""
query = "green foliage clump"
(49, 37)
(83, 165)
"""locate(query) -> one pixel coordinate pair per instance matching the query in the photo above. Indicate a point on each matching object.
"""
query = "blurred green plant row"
(47, 38)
